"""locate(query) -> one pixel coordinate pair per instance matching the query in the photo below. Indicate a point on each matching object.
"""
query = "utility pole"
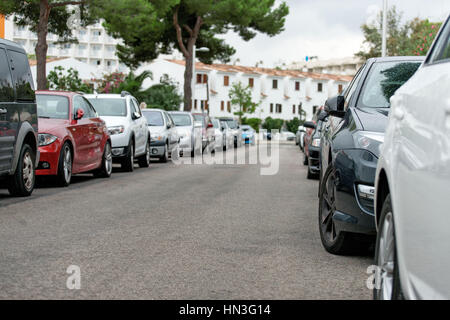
(383, 41)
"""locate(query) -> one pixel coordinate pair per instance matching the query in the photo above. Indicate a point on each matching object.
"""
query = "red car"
(72, 138)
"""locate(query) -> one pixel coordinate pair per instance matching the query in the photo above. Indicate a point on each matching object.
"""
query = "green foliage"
(273, 124)
(58, 79)
(395, 77)
(118, 82)
(164, 95)
(255, 123)
(292, 125)
(411, 38)
(242, 97)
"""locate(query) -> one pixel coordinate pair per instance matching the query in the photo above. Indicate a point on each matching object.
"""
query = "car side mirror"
(322, 116)
(335, 106)
(210, 125)
(79, 114)
(136, 115)
(309, 124)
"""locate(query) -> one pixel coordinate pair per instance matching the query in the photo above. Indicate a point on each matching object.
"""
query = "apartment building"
(281, 93)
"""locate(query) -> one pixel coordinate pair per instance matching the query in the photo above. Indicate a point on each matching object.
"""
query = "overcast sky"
(326, 28)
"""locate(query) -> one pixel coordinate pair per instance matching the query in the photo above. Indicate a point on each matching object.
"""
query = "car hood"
(157, 129)
(51, 125)
(184, 130)
(373, 119)
(114, 121)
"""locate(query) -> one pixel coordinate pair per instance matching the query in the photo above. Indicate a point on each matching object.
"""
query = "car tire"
(105, 169)
(311, 175)
(305, 160)
(128, 163)
(144, 160)
(19, 184)
(165, 156)
(341, 243)
(387, 277)
(65, 165)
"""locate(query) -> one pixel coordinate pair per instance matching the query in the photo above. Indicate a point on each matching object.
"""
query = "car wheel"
(105, 169)
(311, 175)
(144, 160)
(305, 160)
(64, 175)
(128, 162)
(21, 184)
(387, 278)
(165, 156)
(334, 242)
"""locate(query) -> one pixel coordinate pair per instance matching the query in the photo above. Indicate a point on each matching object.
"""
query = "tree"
(160, 26)
(253, 122)
(164, 95)
(242, 97)
(292, 125)
(58, 79)
(44, 16)
(411, 38)
(272, 124)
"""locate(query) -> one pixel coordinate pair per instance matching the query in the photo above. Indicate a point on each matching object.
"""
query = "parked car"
(190, 135)
(207, 130)
(286, 135)
(314, 148)
(19, 154)
(350, 150)
(237, 132)
(248, 134)
(413, 182)
(299, 136)
(164, 136)
(310, 127)
(72, 138)
(219, 136)
(228, 135)
(127, 127)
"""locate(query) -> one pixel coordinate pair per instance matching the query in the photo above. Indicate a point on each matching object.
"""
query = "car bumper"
(313, 159)
(157, 150)
(48, 159)
(354, 213)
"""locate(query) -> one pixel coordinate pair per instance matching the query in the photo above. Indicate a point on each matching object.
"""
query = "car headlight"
(116, 130)
(44, 139)
(368, 140)
(316, 142)
(157, 137)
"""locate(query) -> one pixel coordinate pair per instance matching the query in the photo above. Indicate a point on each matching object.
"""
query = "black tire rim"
(328, 208)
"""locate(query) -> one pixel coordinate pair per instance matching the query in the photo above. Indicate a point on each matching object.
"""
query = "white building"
(343, 66)
(281, 93)
(95, 47)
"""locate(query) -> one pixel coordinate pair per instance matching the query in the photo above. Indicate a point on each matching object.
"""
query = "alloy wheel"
(28, 171)
(67, 164)
(386, 258)
(328, 207)
(108, 159)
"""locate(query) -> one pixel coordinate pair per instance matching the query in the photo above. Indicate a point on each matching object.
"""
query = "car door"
(171, 131)
(81, 133)
(421, 115)
(138, 127)
(142, 125)
(95, 134)
(9, 116)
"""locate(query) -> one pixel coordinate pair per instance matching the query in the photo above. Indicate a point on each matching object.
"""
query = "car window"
(109, 107)
(181, 119)
(442, 47)
(78, 103)
(135, 107)
(92, 111)
(154, 118)
(383, 80)
(52, 106)
(6, 87)
(352, 87)
(22, 76)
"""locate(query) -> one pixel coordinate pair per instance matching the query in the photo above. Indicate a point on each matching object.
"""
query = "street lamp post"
(203, 49)
(383, 41)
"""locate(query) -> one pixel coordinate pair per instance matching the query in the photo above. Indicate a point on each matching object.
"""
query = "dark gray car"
(19, 154)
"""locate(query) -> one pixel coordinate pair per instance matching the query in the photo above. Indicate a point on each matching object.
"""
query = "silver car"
(189, 132)
(299, 136)
(164, 137)
(228, 135)
(235, 128)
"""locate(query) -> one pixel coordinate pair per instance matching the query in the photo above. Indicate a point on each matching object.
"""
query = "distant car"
(237, 132)
(72, 138)
(350, 144)
(286, 135)
(190, 135)
(413, 182)
(219, 136)
(207, 130)
(19, 154)
(248, 134)
(299, 136)
(164, 136)
(313, 149)
(127, 127)
(228, 135)
(310, 126)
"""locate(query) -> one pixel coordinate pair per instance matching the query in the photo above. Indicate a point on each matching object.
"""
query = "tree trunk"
(41, 47)
(188, 103)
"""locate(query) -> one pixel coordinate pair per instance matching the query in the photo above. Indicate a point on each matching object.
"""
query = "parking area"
(176, 232)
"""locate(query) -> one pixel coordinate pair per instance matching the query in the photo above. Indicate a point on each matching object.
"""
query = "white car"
(189, 132)
(228, 135)
(412, 185)
(126, 126)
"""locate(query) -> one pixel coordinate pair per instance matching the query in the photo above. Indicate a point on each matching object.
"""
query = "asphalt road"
(176, 232)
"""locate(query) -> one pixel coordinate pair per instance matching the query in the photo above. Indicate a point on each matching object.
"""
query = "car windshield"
(384, 79)
(52, 106)
(199, 118)
(109, 107)
(154, 118)
(181, 120)
(216, 123)
(232, 124)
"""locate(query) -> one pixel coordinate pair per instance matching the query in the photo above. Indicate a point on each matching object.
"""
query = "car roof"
(58, 93)
(152, 109)
(12, 45)
(105, 95)
(393, 59)
(179, 112)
